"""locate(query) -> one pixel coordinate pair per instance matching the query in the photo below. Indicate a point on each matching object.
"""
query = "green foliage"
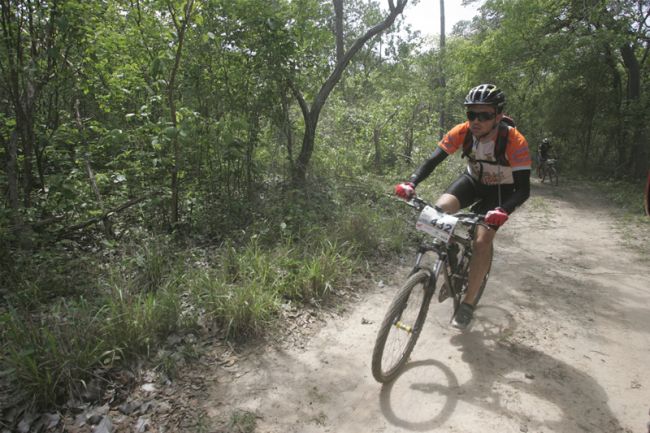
(136, 323)
(243, 295)
(47, 357)
(240, 310)
(52, 356)
(53, 351)
(92, 107)
(627, 195)
(29, 279)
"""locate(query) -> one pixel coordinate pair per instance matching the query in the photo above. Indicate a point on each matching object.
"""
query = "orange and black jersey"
(483, 166)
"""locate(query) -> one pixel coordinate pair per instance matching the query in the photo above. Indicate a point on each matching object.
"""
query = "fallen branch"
(105, 215)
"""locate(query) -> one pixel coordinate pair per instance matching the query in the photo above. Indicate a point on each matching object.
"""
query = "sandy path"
(561, 343)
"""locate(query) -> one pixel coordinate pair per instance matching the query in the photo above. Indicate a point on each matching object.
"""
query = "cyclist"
(543, 151)
(495, 186)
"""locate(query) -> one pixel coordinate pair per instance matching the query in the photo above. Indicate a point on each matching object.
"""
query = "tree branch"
(67, 230)
(334, 78)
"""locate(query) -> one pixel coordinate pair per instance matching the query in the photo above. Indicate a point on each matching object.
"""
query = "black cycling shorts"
(482, 198)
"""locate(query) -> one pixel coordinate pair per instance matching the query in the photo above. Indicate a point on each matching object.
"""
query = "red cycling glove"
(496, 217)
(405, 190)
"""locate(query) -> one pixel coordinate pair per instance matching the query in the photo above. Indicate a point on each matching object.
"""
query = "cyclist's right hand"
(405, 190)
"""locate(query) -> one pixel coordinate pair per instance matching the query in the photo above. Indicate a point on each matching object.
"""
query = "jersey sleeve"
(453, 140)
(517, 151)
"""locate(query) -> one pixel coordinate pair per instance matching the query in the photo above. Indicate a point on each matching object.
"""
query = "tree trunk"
(340, 47)
(180, 31)
(638, 157)
(288, 129)
(633, 72)
(32, 24)
(108, 228)
(443, 81)
(302, 163)
(312, 113)
(12, 176)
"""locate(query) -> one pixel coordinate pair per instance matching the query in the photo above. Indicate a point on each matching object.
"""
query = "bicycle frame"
(454, 274)
(453, 237)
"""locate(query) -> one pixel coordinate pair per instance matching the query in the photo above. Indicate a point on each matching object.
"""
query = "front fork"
(442, 267)
(439, 267)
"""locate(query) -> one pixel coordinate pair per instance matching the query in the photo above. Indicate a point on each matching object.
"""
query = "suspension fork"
(436, 270)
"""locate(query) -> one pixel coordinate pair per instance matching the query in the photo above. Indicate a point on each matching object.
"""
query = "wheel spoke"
(401, 327)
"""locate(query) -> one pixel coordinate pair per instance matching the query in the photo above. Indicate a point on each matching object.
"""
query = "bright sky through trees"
(425, 16)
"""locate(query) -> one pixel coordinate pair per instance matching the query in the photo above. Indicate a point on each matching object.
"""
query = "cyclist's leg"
(448, 203)
(479, 265)
(461, 193)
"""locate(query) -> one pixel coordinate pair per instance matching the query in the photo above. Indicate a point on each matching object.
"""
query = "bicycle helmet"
(486, 94)
(545, 141)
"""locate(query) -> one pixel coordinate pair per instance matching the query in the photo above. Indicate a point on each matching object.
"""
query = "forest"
(173, 166)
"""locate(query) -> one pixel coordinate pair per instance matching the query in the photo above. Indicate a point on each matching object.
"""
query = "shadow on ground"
(503, 371)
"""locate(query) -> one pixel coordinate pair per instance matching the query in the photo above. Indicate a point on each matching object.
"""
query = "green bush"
(242, 292)
(107, 306)
(50, 357)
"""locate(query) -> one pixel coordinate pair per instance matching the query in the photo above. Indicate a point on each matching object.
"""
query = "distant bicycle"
(548, 170)
(451, 247)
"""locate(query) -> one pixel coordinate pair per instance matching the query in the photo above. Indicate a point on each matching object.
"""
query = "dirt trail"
(561, 343)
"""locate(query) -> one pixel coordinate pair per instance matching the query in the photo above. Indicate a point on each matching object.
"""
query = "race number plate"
(438, 224)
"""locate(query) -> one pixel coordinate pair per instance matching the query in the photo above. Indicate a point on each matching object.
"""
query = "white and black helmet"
(486, 94)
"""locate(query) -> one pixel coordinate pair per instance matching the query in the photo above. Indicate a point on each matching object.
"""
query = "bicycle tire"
(458, 299)
(384, 367)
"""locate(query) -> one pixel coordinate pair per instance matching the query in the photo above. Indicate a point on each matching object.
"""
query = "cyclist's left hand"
(496, 217)
(405, 190)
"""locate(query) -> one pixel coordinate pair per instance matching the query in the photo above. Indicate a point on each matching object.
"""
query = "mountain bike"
(549, 170)
(451, 249)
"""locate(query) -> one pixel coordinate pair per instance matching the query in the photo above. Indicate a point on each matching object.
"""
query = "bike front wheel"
(401, 326)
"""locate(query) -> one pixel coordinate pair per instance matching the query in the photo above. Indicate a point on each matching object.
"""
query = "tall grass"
(51, 352)
(243, 292)
(50, 356)
(53, 343)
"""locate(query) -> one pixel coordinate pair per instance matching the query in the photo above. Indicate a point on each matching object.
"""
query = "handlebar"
(419, 204)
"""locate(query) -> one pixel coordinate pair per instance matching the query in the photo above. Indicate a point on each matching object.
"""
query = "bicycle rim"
(401, 327)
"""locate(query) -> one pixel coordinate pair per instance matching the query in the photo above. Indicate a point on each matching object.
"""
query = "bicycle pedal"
(443, 293)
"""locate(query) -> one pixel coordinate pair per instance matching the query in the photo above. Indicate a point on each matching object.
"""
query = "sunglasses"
(482, 116)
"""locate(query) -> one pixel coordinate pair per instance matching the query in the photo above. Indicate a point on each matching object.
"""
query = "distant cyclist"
(543, 152)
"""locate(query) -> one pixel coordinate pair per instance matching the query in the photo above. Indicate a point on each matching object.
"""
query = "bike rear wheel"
(458, 299)
(552, 176)
(401, 326)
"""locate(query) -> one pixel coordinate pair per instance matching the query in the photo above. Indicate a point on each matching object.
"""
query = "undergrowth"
(71, 313)
(629, 199)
